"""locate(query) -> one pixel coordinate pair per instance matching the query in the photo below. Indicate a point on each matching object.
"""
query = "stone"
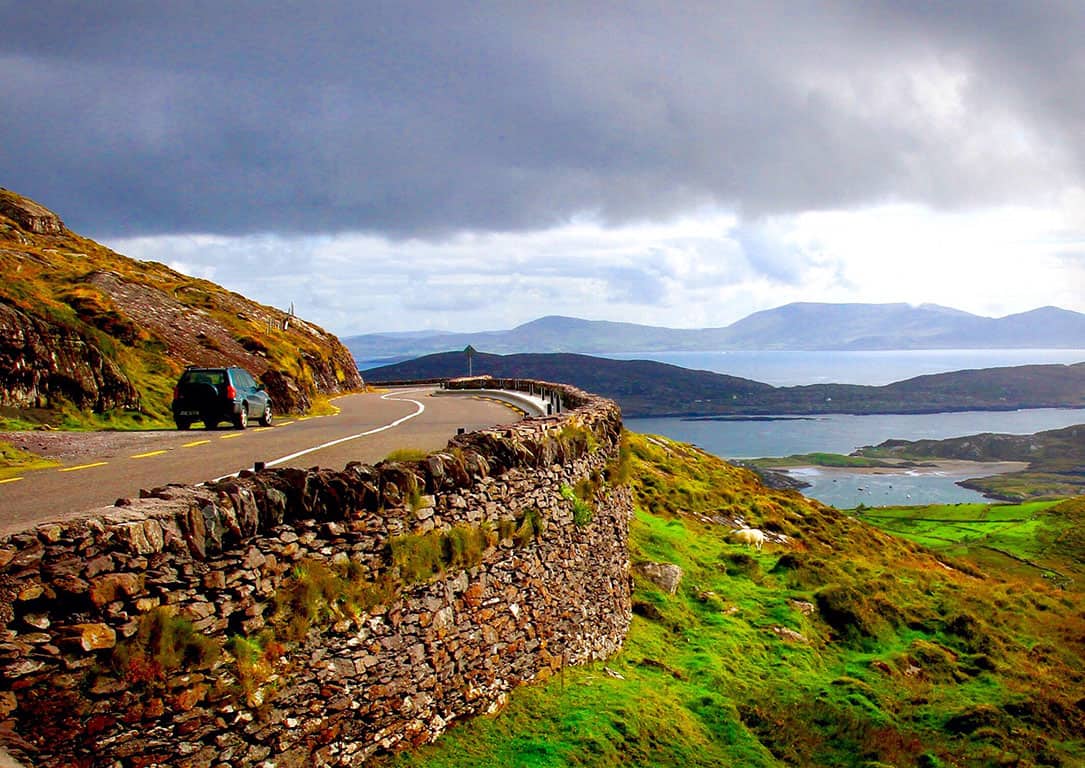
(72, 585)
(50, 533)
(31, 592)
(105, 589)
(24, 667)
(666, 576)
(99, 565)
(788, 634)
(142, 537)
(91, 637)
(524, 611)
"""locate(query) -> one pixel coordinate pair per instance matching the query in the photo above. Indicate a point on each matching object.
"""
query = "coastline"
(966, 470)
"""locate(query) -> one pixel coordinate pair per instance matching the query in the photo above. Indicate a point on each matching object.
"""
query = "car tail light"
(176, 392)
(231, 393)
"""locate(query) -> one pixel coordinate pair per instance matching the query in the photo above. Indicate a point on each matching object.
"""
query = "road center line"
(83, 466)
(193, 445)
(10, 480)
(146, 455)
(391, 425)
(231, 436)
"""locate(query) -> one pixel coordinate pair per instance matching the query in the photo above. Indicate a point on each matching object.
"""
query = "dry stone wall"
(276, 617)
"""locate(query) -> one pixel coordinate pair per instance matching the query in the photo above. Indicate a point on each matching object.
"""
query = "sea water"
(842, 433)
(741, 439)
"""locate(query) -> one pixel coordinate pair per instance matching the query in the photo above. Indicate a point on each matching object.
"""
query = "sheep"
(751, 537)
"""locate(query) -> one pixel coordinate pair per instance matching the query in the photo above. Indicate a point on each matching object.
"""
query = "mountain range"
(799, 326)
(649, 388)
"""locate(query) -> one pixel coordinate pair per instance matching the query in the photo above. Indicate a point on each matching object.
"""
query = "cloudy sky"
(469, 166)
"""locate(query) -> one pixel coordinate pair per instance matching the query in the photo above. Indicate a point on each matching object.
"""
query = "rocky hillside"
(85, 329)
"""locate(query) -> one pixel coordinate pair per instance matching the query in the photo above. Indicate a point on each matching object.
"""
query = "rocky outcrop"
(666, 576)
(314, 618)
(42, 363)
(31, 216)
(67, 296)
(193, 335)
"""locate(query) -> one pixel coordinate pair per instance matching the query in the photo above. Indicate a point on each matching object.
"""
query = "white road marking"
(391, 425)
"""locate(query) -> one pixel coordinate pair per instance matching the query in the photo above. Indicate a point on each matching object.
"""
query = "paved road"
(367, 428)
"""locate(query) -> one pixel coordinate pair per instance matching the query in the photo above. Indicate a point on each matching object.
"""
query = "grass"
(14, 461)
(582, 509)
(407, 454)
(164, 643)
(421, 557)
(822, 460)
(1038, 537)
(846, 647)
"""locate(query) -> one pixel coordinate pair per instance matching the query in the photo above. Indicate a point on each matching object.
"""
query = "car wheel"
(183, 423)
(241, 420)
(209, 422)
(265, 418)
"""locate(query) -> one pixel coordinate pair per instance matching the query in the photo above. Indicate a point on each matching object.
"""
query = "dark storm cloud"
(407, 120)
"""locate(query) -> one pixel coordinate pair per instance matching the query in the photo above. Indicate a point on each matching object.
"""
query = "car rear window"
(214, 378)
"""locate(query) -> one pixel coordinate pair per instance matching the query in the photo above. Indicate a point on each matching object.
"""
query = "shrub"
(582, 512)
(741, 563)
(849, 611)
(404, 455)
(619, 469)
(418, 557)
(532, 525)
(164, 643)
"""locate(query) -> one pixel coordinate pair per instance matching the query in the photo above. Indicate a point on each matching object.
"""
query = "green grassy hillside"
(91, 337)
(1038, 538)
(839, 645)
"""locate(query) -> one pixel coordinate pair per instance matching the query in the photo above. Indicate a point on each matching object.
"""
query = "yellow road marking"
(303, 418)
(10, 480)
(262, 429)
(193, 445)
(147, 455)
(232, 435)
(83, 466)
(285, 423)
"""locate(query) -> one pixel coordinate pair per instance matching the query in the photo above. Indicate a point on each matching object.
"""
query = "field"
(1035, 538)
(838, 645)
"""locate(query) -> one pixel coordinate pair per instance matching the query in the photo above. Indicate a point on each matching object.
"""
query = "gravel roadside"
(66, 446)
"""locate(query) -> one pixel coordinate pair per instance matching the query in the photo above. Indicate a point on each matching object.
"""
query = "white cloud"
(697, 271)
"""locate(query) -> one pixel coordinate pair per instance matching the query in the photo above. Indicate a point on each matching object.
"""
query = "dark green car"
(213, 395)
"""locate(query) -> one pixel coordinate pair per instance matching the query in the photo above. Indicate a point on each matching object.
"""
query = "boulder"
(666, 576)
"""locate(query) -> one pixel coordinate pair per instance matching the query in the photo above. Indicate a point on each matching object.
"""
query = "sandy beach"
(938, 482)
(943, 468)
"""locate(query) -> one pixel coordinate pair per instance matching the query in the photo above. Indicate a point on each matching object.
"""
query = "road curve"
(366, 428)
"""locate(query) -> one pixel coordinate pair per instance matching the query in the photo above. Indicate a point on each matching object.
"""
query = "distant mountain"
(648, 388)
(854, 326)
(800, 326)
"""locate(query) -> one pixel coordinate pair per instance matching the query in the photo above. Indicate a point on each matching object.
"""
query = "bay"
(843, 433)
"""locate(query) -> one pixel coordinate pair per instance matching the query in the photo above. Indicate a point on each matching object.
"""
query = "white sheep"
(751, 537)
